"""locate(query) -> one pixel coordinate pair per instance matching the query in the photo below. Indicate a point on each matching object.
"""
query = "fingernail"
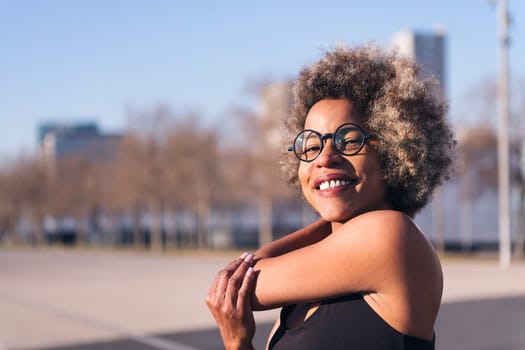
(250, 271)
(248, 258)
(244, 255)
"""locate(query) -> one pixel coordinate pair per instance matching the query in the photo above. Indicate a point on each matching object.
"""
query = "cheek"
(303, 175)
(376, 178)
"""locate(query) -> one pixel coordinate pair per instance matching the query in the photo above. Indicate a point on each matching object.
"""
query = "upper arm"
(370, 253)
(305, 236)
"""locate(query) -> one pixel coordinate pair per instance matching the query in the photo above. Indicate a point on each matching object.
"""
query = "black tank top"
(344, 323)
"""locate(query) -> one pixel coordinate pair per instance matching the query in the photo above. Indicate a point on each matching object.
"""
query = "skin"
(372, 250)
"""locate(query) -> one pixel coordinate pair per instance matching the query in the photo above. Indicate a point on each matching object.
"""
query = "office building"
(274, 107)
(81, 140)
(427, 48)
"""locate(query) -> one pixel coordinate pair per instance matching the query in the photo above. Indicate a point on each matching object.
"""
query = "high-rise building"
(82, 140)
(275, 102)
(427, 48)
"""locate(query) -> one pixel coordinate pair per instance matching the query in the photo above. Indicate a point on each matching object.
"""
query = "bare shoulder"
(396, 244)
(386, 229)
(383, 221)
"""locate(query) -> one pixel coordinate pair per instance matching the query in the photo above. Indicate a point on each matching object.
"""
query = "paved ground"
(57, 299)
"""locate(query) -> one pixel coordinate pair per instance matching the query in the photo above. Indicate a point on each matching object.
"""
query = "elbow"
(263, 289)
(257, 305)
(257, 300)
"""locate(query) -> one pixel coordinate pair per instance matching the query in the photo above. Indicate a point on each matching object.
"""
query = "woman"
(371, 144)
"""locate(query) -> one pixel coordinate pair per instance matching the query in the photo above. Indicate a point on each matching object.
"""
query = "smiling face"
(340, 187)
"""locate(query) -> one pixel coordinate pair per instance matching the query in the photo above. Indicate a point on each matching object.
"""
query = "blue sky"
(95, 60)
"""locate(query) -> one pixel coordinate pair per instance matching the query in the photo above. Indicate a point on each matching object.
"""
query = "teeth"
(325, 185)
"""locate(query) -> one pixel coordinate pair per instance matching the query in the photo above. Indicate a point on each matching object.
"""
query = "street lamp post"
(503, 141)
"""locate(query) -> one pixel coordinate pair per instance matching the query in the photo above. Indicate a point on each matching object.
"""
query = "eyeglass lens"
(347, 140)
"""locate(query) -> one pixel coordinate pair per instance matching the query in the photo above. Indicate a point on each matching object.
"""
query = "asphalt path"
(489, 324)
(83, 300)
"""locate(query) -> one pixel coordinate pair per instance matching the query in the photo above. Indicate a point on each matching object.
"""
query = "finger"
(244, 301)
(234, 282)
(214, 291)
(221, 280)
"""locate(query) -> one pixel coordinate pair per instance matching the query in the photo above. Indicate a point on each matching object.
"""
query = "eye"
(349, 143)
(349, 139)
(310, 151)
(309, 145)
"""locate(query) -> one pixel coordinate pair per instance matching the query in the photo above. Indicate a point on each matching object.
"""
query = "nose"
(328, 156)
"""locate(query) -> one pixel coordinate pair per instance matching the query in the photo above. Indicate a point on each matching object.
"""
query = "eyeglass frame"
(323, 137)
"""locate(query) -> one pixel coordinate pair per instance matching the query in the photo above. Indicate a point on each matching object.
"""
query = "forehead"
(328, 114)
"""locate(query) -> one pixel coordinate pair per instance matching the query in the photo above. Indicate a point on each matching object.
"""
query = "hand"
(229, 300)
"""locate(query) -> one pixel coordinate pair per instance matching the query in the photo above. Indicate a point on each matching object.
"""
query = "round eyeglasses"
(348, 139)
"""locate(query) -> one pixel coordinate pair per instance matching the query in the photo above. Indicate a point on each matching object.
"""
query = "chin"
(336, 216)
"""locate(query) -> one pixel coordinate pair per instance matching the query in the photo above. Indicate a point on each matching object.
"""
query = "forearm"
(303, 237)
(245, 344)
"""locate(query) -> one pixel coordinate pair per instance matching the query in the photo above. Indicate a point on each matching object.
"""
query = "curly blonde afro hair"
(403, 109)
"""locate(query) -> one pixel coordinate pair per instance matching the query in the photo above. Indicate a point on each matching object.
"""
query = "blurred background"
(156, 125)
(153, 129)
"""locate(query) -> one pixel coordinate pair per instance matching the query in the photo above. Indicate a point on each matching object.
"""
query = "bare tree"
(191, 160)
(264, 145)
(127, 189)
(141, 187)
(27, 188)
(518, 175)
(477, 153)
(519, 179)
(9, 211)
(171, 162)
